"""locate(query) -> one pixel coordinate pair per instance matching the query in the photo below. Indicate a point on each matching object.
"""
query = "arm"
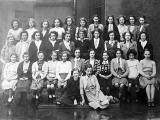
(45, 70)
(126, 69)
(154, 69)
(98, 69)
(112, 69)
(57, 72)
(140, 68)
(33, 71)
(69, 70)
(82, 90)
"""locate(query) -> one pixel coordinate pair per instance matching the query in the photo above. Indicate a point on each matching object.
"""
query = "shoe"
(37, 96)
(50, 96)
(149, 104)
(152, 104)
(10, 99)
(53, 96)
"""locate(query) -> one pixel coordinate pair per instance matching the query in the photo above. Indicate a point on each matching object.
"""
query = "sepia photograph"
(79, 60)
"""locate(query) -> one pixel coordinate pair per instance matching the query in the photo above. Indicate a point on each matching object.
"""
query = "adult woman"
(31, 28)
(36, 46)
(111, 45)
(128, 44)
(67, 45)
(72, 91)
(110, 26)
(96, 25)
(22, 46)
(51, 76)
(10, 76)
(147, 79)
(143, 44)
(8, 49)
(45, 30)
(119, 69)
(132, 27)
(97, 44)
(15, 30)
(39, 72)
(133, 76)
(24, 72)
(83, 44)
(122, 27)
(58, 27)
(94, 62)
(89, 84)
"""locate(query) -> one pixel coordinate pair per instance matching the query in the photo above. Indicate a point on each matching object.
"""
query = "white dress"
(10, 76)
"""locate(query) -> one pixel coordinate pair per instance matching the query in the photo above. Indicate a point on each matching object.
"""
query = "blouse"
(16, 33)
(52, 69)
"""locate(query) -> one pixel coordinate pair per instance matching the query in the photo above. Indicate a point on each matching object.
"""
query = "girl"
(8, 49)
(52, 44)
(22, 46)
(63, 73)
(39, 72)
(122, 27)
(67, 45)
(72, 92)
(97, 44)
(58, 27)
(111, 45)
(15, 30)
(132, 27)
(89, 84)
(36, 46)
(119, 69)
(133, 76)
(45, 30)
(24, 72)
(110, 26)
(128, 44)
(51, 76)
(10, 76)
(31, 29)
(70, 27)
(83, 44)
(144, 44)
(105, 75)
(82, 27)
(94, 62)
(147, 79)
(96, 25)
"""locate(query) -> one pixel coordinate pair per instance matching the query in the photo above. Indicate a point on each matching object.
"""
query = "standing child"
(45, 30)
(51, 76)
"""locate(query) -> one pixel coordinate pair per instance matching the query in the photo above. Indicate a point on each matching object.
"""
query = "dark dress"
(24, 85)
(84, 48)
(72, 92)
(105, 70)
(106, 33)
(33, 51)
(141, 50)
(45, 37)
(99, 50)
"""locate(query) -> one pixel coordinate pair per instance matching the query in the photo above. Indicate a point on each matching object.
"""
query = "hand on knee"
(129, 85)
(48, 86)
(52, 86)
(121, 85)
(116, 85)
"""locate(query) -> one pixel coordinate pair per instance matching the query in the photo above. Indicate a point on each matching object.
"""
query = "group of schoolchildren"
(84, 64)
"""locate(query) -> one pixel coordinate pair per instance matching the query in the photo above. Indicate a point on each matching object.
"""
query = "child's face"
(131, 20)
(37, 36)
(75, 75)
(118, 54)
(131, 56)
(110, 20)
(45, 24)
(95, 19)
(127, 36)
(141, 20)
(54, 56)
(64, 57)
(77, 53)
(57, 23)
(40, 56)
(69, 21)
(82, 23)
(143, 37)
(15, 24)
(24, 36)
(68, 37)
(26, 58)
(96, 34)
(121, 20)
(81, 35)
(11, 39)
(52, 37)
(13, 58)
(111, 36)
(89, 71)
(105, 56)
(92, 54)
(147, 54)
